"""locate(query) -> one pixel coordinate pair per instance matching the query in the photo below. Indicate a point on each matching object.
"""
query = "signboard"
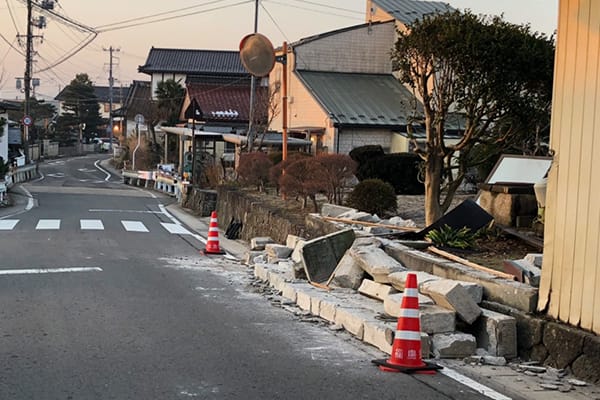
(27, 120)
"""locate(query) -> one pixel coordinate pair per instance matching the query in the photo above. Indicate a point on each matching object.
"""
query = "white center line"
(47, 270)
(484, 390)
(48, 224)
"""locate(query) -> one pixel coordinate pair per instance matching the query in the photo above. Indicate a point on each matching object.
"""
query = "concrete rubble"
(358, 283)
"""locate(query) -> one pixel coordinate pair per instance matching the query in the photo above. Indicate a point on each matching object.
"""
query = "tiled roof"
(138, 100)
(223, 102)
(361, 99)
(102, 93)
(407, 11)
(190, 61)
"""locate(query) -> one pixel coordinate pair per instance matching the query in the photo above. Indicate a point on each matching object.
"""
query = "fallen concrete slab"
(376, 263)
(348, 273)
(453, 345)
(321, 256)
(375, 290)
(451, 295)
(496, 333)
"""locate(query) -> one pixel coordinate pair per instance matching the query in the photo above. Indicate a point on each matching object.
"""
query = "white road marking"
(124, 211)
(8, 224)
(134, 226)
(91, 224)
(103, 170)
(86, 169)
(30, 200)
(478, 387)
(175, 229)
(164, 211)
(57, 175)
(48, 270)
(48, 224)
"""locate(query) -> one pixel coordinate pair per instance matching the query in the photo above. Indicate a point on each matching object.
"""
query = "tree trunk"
(433, 177)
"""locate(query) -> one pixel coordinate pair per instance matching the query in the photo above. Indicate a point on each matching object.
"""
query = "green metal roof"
(366, 100)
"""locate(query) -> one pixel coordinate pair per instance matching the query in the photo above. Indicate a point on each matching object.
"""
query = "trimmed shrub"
(253, 169)
(401, 170)
(365, 153)
(373, 196)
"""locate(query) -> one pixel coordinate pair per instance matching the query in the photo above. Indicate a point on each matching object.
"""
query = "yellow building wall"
(303, 109)
(570, 285)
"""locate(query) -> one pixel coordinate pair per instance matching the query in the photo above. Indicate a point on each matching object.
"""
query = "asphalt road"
(104, 296)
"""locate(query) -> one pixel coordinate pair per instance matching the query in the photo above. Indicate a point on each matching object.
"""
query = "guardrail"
(156, 180)
(18, 175)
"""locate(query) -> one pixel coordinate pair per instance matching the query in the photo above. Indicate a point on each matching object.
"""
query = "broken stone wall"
(260, 218)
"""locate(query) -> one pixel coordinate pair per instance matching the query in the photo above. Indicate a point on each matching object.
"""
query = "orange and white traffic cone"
(406, 349)
(212, 242)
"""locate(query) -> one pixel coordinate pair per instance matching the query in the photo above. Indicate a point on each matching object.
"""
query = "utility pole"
(27, 76)
(111, 82)
(252, 90)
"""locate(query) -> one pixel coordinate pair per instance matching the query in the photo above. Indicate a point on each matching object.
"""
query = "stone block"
(277, 251)
(250, 256)
(366, 241)
(426, 351)
(398, 279)
(392, 304)
(376, 263)
(564, 344)
(352, 319)
(378, 230)
(587, 366)
(361, 216)
(435, 319)
(348, 273)
(375, 290)
(398, 221)
(290, 291)
(304, 300)
(321, 256)
(292, 240)
(496, 333)
(453, 296)
(261, 272)
(453, 345)
(379, 334)
(415, 260)
(334, 210)
(259, 243)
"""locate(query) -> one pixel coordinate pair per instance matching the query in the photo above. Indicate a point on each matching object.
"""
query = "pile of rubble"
(348, 279)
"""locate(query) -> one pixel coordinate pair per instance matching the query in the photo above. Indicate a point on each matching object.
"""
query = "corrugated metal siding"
(361, 99)
(407, 11)
(193, 61)
(571, 270)
(364, 49)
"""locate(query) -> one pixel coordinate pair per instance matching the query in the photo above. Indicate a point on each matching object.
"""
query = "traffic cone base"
(406, 349)
(212, 241)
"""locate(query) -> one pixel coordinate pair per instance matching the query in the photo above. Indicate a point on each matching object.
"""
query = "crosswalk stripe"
(8, 224)
(134, 226)
(48, 224)
(95, 224)
(175, 229)
(91, 224)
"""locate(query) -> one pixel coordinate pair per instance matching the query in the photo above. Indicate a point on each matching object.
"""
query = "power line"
(173, 17)
(158, 14)
(320, 11)
(331, 7)
(12, 17)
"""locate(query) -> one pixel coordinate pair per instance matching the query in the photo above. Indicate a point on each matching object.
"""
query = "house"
(404, 12)
(569, 289)
(137, 101)
(341, 90)
(217, 85)
(4, 135)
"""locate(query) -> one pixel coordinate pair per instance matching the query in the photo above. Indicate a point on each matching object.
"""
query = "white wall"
(4, 139)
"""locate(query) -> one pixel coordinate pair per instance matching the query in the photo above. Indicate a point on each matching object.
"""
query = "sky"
(189, 24)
